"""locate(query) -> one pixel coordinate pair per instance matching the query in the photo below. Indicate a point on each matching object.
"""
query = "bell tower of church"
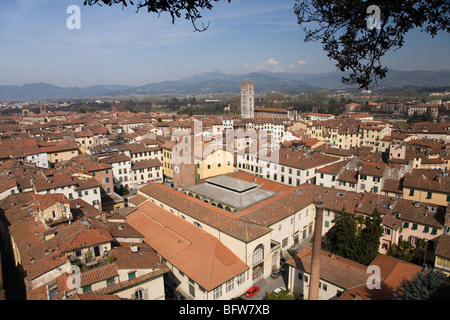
(247, 99)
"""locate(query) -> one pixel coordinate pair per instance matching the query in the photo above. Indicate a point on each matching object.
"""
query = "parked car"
(276, 273)
(252, 291)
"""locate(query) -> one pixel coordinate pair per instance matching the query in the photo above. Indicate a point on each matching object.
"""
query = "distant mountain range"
(217, 82)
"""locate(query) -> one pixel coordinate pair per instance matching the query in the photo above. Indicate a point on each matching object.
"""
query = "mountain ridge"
(217, 82)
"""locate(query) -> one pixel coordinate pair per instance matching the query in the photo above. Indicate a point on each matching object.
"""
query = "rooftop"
(233, 192)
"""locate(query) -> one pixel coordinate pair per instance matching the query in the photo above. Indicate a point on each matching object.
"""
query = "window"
(411, 192)
(52, 289)
(429, 194)
(86, 288)
(240, 279)
(230, 285)
(258, 255)
(413, 240)
(197, 224)
(138, 295)
(406, 225)
(414, 226)
(426, 229)
(217, 292)
(110, 282)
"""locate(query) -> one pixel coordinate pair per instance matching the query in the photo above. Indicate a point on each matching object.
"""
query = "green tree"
(421, 287)
(369, 238)
(422, 245)
(357, 239)
(119, 139)
(342, 237)
(355, 37)
(403, 251)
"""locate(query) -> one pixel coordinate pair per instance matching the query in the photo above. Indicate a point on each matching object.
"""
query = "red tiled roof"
(87, 238)
(205, 213)
(99, 274)
(199, 255)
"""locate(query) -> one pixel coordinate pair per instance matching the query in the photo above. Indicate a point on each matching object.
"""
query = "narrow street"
(269, 284)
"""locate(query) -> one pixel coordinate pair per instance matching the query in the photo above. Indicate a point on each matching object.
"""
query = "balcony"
(274, 245)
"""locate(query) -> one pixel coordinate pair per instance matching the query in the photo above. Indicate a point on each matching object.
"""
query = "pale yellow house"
(442, 253)
(85, 140)
(52, 208)
(316, 129)
(419, 189)
(60, 151)
(213, 162)
(167, 162)
(372, 133)
(344, 138)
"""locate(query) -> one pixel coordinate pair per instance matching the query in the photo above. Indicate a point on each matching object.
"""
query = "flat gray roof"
(231, 183)
(232, 192)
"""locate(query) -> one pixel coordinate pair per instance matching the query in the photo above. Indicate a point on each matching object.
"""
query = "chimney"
(316, 249)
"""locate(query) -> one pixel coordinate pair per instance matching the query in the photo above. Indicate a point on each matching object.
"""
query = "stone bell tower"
(247, 99)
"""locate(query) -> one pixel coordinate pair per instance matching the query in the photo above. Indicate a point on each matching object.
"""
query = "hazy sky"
(120, 46)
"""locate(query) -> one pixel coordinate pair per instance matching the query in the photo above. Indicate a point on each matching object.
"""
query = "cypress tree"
(341, 237)
(369, 238)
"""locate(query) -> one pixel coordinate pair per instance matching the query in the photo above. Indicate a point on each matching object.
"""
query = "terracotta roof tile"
(205, 213)
(98, 274)
(199, 255)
